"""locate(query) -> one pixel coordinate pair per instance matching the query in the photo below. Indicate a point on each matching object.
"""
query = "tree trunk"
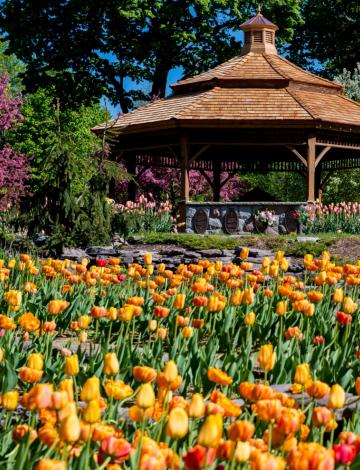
(161, 73)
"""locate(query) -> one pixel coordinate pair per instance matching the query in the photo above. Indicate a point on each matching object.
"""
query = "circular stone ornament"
(200, 221)
(231, 222)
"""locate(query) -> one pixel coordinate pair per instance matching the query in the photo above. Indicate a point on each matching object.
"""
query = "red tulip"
(343, 318)
(101, 263)
(344, 453)
(199, 457)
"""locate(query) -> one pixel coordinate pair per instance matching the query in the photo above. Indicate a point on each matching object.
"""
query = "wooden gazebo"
(257, 112)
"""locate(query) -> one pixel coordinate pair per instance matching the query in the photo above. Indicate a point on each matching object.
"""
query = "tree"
(351, 82)
(88, 49)
(14, 167)
(328, 40)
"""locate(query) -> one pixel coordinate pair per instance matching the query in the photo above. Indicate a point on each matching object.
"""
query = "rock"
(295, 268)
(271, 231)
(97, 251)
(172, 251)
(249, 227)
(211, 253)
(254, 252)
(282, 230)
(215, 224)
(307, 239)
(74, 254)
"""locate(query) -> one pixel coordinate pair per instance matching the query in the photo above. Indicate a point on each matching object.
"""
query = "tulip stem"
(270, 437)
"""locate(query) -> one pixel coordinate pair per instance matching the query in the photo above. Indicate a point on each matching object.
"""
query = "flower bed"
(340, 217)
(167, 357)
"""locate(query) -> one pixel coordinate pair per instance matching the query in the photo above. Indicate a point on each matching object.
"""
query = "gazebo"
(257, 112)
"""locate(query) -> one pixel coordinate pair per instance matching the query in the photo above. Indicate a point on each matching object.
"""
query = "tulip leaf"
(10, 378)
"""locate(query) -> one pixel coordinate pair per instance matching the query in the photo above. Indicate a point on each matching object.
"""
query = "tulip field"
(108, 366)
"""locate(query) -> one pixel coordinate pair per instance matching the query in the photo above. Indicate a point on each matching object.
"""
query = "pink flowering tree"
(14, 166)
(165, 183)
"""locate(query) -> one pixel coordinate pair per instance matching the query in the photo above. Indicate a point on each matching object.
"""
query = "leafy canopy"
(88, 49)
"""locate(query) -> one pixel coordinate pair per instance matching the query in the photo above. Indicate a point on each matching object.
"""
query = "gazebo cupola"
(259, 35)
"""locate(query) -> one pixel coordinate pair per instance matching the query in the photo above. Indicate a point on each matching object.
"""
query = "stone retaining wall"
(238, 217)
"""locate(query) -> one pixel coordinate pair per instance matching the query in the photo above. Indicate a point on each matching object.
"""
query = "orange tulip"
(144, 373)
(268, 410)
(318, 389)
(266, 357)
(241, 430)
(47, 464)
(219, 377)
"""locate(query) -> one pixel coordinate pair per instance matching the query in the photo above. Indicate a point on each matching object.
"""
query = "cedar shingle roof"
(255, 88)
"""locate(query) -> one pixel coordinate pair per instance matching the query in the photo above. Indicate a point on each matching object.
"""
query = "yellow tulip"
(211, 431)
(336, 397)
(145, 398)
(72, 365)
(10, 400)
(266, 357)
(197, 406)
(302, 374)
(35, 361)
(70, 429)
(178, 423)
(92, 413)
(111, 364)
(90, 390)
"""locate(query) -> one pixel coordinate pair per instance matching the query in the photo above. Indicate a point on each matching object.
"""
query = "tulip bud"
(250, 318)
(242, 451)
(145, 397)
(211, 431)
(83, 336)
(90, 390)
(281, 307)
(170, 371)
(244, 253)
(10, 400)
(59, 399)
(336, 397)
(2, 355)
(357, 385)
(266, 357)
(148, 258)
(302, 374)
(179, 301)
(338, 296)
(111, 364)
(84, 321)
(197, 406)
(178, 423)
(92, 413)
(187, 332)
(67, 386)
(35, 361)
(70, 429)
(72, 365)
(152, 325)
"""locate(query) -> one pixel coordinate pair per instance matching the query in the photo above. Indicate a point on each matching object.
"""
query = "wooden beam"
(311, 155)
(217, 180)
(338, 146)
(321, 155)
(199, 152)
(209, 181)
(184, 167)
(297, 153)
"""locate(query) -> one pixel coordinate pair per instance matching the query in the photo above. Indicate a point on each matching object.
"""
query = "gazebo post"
(318, 189)
(184, 159)
(216, 180)
(311, 156)
(131, 169)
(184, 179)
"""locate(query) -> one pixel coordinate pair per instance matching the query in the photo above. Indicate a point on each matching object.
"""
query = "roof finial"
(259, 9)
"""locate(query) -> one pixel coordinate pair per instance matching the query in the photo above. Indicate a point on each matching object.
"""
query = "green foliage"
(128, 224)
(88, 49)
(351, 81)
(282, 186)
(327, 41)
